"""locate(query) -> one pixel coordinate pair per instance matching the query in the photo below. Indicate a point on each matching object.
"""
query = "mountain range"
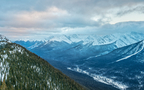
(121, 68)
(115, 60)
(72, 47)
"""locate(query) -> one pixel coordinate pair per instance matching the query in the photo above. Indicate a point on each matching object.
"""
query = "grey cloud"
(122, 27)
(110, 29)
(129, 10)
(73, 6)
(79, 14)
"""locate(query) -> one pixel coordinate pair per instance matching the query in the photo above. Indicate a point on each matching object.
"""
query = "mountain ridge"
(121, 39)
(21, 69)
(81, 46)
(121, 68)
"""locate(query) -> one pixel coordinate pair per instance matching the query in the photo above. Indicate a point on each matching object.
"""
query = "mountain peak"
(3, 39)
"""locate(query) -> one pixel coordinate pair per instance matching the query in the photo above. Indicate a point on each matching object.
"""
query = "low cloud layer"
(42, 17)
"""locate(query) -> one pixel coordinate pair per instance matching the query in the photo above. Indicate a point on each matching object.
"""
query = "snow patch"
(131, 54)
(35, 45)
(4, 69)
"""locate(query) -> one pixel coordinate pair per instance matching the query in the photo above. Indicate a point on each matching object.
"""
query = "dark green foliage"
(28, 71)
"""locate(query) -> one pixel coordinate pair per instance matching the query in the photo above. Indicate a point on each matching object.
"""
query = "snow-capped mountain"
(61, 47)
(4, 39)
(129, 38)
(120, 39)
(116, 59)
(121, 68)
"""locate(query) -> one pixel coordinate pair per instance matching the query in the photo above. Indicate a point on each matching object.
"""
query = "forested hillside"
(22, 70)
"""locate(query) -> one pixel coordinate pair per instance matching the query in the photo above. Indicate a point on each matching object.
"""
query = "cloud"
(40, 17)
(52, 17)
(108, 29)
(126, 10)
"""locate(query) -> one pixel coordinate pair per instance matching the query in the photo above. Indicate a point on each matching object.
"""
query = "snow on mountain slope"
(37, 44)
(96, 40)
(82, 47)
(121, 68)
(4, 65)
(133, 51)
(115, 59)
(100, 78)
(120, 39)
(30, 44)
(129, 38)
(3, 39)
(128, 51)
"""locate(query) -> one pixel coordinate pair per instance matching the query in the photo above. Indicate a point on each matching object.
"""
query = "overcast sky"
(21, 19)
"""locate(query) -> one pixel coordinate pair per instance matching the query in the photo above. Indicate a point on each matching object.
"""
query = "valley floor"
(86, 81)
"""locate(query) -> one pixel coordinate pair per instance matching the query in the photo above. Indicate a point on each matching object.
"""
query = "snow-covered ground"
(4, 39)
(131, 53)
(100, 78)
(4, 67)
